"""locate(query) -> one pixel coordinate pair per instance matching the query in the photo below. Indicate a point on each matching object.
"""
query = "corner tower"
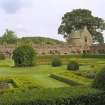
(81, 38)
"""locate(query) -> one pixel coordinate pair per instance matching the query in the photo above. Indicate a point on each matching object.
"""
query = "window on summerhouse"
(85, 39)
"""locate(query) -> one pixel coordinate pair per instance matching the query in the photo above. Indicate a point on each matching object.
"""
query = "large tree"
(9, 37)
(78, 19)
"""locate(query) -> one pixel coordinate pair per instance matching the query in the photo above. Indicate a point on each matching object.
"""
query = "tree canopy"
(78, 19)
(9, 37)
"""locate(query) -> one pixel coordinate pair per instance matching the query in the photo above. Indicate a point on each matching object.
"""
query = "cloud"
(42, 17)
(12, 6)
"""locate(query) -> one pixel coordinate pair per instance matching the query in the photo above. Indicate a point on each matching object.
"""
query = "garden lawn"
(35, 83)
(31, 76)
(39, 76)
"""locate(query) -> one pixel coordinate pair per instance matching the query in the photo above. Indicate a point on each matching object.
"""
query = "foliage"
(73, 65)
(24, 41)
(87, 74)
(24, 56)
(93, 56)
(65, 80)
(9, 37)
(99, 81)
(71, 78)
(60, 96)
(46, 59)
(81, 59)
(39, 40)
(99, 37)
(56, 61)
(78, 19)
(51, 91)
(2, 57)
(33, 85)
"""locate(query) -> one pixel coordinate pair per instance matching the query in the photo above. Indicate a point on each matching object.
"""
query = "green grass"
(28, 80)
(38, 76)
(46, 82)
(6, 63)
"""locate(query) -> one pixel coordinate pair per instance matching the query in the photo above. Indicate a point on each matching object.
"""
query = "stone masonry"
(78, 43)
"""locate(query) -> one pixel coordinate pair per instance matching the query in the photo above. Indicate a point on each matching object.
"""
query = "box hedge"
(61, 96)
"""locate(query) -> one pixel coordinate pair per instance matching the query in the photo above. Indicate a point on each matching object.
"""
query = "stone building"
(78, 43)
(81, 38)
(98, 49)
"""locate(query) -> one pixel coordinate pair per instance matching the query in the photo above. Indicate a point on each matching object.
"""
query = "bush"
(60, 96)
(24, 56)
(2, 57)
(73, 66)
(65, 80)
(99, 81)
(56, 61)
(93, 55)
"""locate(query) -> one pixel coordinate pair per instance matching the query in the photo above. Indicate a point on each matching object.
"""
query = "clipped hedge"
(65, 80)
(93, 56)
(61, 96)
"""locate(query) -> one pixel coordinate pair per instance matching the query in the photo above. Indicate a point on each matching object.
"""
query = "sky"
(42, 17)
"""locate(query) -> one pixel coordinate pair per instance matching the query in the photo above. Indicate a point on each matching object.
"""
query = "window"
(84, 52)
(86, 39)
(65, 53)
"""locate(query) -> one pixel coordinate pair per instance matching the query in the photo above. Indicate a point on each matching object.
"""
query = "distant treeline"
(40, 40)
(9, 37)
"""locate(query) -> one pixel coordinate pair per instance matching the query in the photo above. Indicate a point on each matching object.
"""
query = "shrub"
(93, 55)
(2, 57)
(56, 61)
(72, 65)
(60, 96)
(65, 80)
(99, 81)
(24, 56)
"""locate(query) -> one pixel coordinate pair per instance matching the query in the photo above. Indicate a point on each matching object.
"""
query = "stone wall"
(98, 49)
(61, 49)
(79, 42)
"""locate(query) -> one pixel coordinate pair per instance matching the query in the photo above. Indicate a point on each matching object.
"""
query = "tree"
(23, 41)
(24, 56)
(78, 19)
(9, 37)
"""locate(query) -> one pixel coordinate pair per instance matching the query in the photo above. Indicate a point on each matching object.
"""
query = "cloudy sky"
(41, 17)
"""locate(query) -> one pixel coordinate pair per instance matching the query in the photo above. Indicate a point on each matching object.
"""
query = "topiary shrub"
(99, 81)
(24, 56)
(56, 61)
(72, 65)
